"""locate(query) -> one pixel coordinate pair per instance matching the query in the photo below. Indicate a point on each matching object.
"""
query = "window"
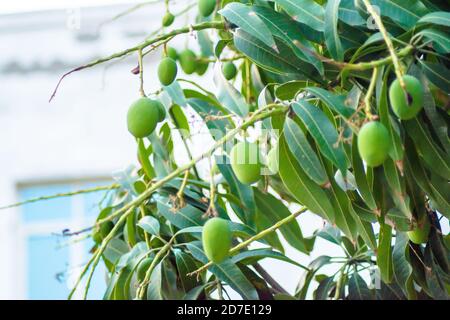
(51, 262)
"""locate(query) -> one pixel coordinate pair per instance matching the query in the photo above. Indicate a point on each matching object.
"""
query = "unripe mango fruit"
(168, 19)
(172, 53)
(216, 238)
(201, 67)
(206, 7)
(246, 162)
(142, 117)
(229, 70)
(420, 233)
(406, 105)
(188, 61)
(167, 71)
(142, 268)
(373, 143)
(161, 112)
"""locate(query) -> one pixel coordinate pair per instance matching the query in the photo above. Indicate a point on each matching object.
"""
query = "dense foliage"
(353, 97)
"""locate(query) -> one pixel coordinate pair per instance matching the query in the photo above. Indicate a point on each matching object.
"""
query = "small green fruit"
(206, 7)
(272, 160)
(374, 143)
(188, 61)
(142, 268)
(161, 112)
(216, 238)
(246, 162)
(406, 105)
(167, 71)
(229, 70)
(201, 67)
(420, 233)
(168, 19)
(142, 117)
(172, 53)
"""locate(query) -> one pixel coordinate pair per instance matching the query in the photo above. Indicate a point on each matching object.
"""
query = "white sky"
(36, 5)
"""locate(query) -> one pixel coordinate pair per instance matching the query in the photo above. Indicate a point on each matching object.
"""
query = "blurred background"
(79, 139)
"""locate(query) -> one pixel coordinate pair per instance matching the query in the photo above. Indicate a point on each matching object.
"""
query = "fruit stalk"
(390, 46)
(256, 237)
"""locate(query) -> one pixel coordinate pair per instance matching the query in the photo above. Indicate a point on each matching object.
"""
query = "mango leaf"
(227, 94)
(306, 11)
(324, 288)
(323, 133)
(275, 211)
(176, 94)
(253, 256)
(349, 15)
(290, 33)
(404, 13)
(301, 186)
(150, 225)
(437, 74)
(180, 120)
(115, 249)
(334, 102)
(188, 216)
(186, 264)
(437, 160)
(308, 276)
(402, 268)
(286, 62)
(441, 41)
(289, 90)
(332, 39)
(357, 288)
(226, 271)
(331, 234)
(154, 289)
(441, 18)
(244, 17)
(304, 154)
(384, 253)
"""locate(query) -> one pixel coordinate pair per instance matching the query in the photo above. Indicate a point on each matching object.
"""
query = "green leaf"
(305, 11)
(285, 29)
(441, 18)
(180, 120)
(304, 154)
(286, 62)
(175, 93)
(154, 289)
(253, 256)
(384, 253)
(217, 127)
(227, 94)
(437, 160)
(186, 264)
(323, 133)
(349, 15)
(289, 90)
(150, 225)
(437, 74)
(308, 276)
(441, 41)
(188, 216)
(226, 271)
(275, 211)
(357, 288)
(332, 39)
(331, 234)
(404, 13)
(301, 187)
(324, 288)
(402, 268)
(244, 17)
(115, 249)
(334, 102)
